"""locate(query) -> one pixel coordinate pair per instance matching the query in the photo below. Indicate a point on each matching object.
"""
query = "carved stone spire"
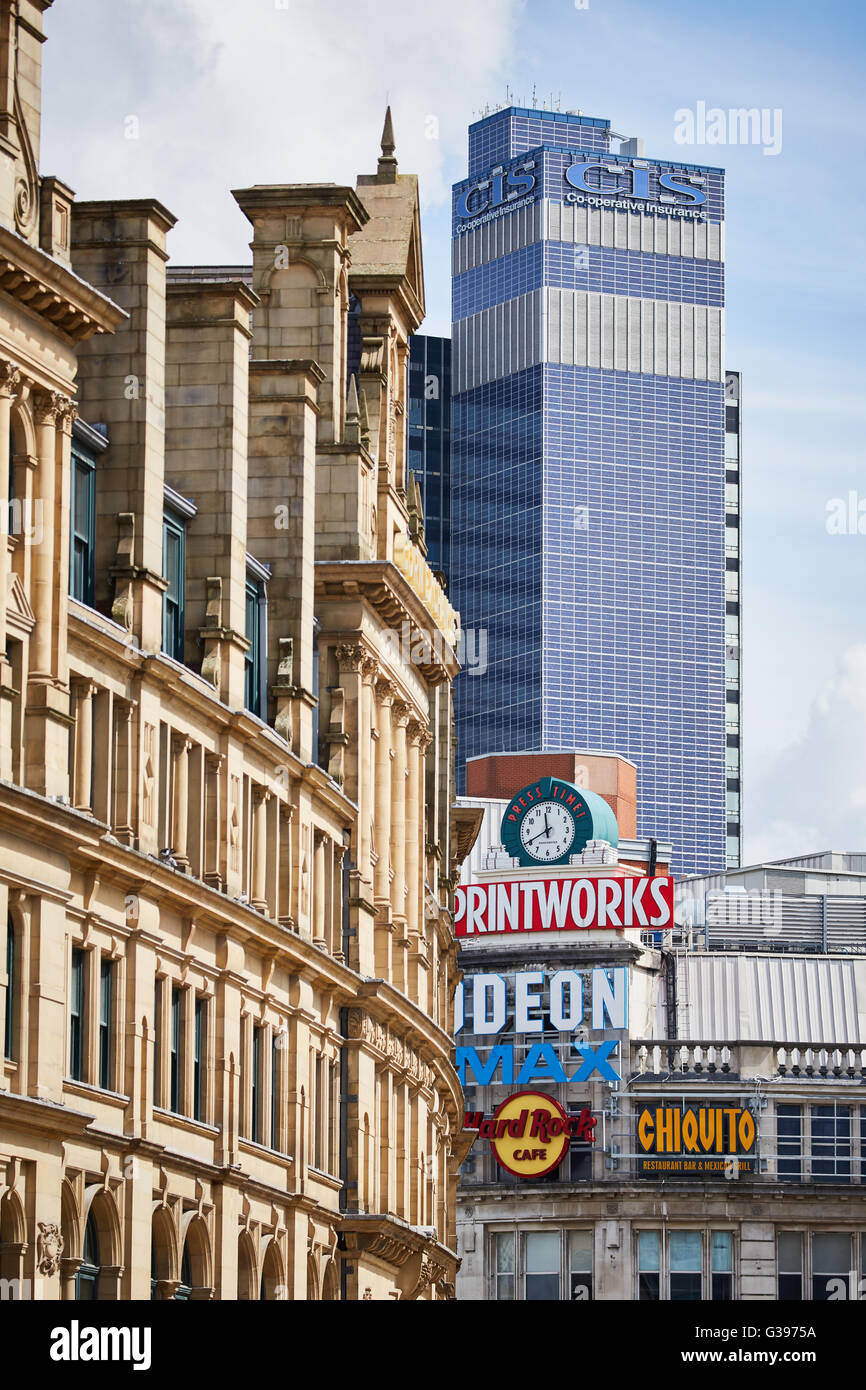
(387, 161)
(364, 421)
(352, 431)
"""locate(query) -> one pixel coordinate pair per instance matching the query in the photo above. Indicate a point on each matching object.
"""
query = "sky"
(184, 100)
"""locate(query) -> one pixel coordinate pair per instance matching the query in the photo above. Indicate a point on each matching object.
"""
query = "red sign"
(564, 904)
(530, 1133)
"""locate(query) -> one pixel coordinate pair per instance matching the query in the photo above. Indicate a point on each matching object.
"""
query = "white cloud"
(813, 796)
(228, 94)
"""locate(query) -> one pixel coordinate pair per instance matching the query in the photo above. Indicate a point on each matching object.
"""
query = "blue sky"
(268, 91)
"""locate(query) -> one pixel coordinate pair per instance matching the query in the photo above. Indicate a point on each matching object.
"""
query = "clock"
(547, 831)
(550, 820)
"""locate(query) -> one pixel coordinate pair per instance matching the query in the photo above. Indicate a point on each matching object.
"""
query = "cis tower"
(595, 527)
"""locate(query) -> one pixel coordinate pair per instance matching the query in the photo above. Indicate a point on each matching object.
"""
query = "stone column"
(47, 407)
(400, 719)
(319, 896)
(124, 770)
(369, 672)
(180, 746)
(259, 885)
(82, 798)
(414, 796)
(214, 835)
(382, 880)
(10, 382)
(47, 721)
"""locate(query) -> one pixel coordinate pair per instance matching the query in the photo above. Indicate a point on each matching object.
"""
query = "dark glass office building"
(589, 528)
(430, 440)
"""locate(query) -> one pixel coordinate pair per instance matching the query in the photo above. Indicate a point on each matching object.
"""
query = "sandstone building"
(227, 839)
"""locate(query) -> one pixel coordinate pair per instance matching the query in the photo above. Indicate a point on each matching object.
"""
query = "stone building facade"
(227, 839)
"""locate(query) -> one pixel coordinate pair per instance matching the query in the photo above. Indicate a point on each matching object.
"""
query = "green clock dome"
(550, 820)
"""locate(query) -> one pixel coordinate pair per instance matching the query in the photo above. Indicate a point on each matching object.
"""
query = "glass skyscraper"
(429, 440)
(592, 516)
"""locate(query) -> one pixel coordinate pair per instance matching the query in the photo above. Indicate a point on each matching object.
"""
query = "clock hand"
(544, 834)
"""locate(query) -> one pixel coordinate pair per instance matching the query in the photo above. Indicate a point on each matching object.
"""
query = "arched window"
(272, 1286)
(9, 1029)
(184, 1288)
(87, 1278)
(248, 1287)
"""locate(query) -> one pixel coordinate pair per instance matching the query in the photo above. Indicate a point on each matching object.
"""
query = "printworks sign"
(698, 1140)
(563, 904)
(531, 1133)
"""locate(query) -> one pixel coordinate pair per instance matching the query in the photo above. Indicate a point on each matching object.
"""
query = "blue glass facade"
(589, 529)
(429, 441)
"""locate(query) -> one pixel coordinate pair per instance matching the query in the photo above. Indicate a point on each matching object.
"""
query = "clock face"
(547, 831)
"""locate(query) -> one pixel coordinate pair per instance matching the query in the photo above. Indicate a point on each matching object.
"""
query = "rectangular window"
(831, 1143)
(158, 1041)
(255, 1090)
(198, 1059)
(83, 524)
(789, 1140)
(106, 979)
(503, 1265)
(174, 571)
(275, 1077)
(790, 1259)
(319, 1115)
(648, 1266)
(541, 1250)
(9, 1024)
(76, 1015)
(722, 1265)
(580, 1265)
(685, 1265)
(831, 1262)
(253, 655)
(174, 1080)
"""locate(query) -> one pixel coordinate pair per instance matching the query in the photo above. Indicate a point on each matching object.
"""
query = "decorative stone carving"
(350, 656)
(123, 571)
(10, 378)
(284, 689)
(49, 407)
(49, 1248)
(336, 737)
(26, 175)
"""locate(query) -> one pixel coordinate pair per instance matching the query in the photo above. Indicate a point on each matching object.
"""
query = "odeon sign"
(566, 1010)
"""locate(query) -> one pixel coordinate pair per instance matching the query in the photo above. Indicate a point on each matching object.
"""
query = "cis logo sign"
(531, 1133)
